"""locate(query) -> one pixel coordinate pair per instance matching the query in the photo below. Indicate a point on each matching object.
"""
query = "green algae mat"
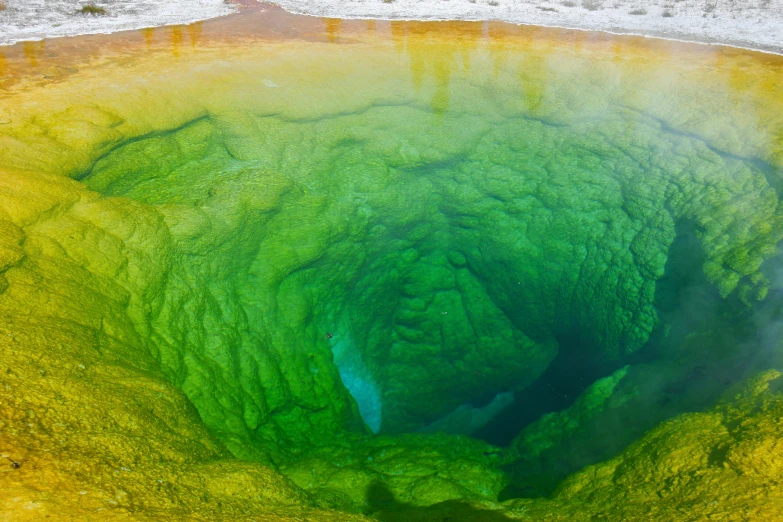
(283, 268)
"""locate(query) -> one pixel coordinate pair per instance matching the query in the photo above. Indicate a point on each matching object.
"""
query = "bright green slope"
(445, 252)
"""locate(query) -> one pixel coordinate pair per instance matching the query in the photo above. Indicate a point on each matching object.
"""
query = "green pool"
(288, 267)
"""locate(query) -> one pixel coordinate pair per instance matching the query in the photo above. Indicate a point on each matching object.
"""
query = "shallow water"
(314, 227)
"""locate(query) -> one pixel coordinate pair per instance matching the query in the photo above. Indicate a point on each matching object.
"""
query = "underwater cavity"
(441, 265)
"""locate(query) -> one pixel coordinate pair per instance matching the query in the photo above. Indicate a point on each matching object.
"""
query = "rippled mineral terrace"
(278, 268)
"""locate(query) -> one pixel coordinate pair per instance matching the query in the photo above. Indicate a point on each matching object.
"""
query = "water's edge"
(340, 12)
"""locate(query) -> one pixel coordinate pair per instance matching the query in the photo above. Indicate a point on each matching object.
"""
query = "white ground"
(755, 24)
(37, 19)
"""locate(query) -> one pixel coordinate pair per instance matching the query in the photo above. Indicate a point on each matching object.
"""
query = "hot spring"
(274, 267)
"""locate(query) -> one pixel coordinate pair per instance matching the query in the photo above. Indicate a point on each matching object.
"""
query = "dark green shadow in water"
(385, 508)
